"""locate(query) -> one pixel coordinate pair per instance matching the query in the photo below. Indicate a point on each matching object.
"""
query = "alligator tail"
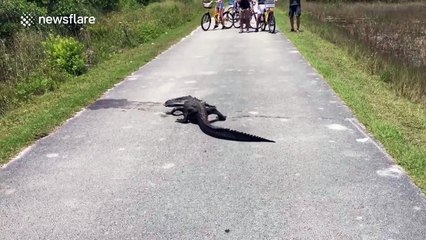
(229, 134)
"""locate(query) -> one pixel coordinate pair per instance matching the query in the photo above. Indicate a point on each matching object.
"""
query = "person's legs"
(298, 22)
(298, 14)
(221, 18)
(241, 20)
(260, 15)
(259, 18)
(221, 6)
(216, 24)
(291, 13)
(248, 18)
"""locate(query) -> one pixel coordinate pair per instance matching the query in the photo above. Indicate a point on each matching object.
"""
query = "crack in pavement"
(260, 116)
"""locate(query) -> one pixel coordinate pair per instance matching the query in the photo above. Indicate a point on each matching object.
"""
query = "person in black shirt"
(245, 14)
(295, 10)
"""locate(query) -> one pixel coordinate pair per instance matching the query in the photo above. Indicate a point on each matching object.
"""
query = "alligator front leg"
(176, 109)
(212, 110)
(185, 117)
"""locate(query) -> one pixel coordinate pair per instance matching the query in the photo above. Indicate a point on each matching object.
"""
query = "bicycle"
(268, 18)
(206, 19)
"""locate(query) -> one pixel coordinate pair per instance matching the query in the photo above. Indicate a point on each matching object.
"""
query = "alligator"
(197, 111)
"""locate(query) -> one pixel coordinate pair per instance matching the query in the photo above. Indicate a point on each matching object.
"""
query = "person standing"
(295, 10)
(245, 14)
(220, 8)
(261, 8)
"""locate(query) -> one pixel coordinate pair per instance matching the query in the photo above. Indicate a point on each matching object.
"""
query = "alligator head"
(178, 102)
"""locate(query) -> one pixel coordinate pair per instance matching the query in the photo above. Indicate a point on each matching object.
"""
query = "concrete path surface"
(122, 169)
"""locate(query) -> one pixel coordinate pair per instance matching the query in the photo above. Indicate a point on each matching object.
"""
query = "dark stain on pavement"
(123, 104)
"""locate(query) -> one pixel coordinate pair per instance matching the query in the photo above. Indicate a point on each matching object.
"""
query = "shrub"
(36, 85)
(144, 2)
(66, 53)
(386, 75)
(10, 16)
(20, 55)
(148, 31)
(67, 7)
(105, 5)
(63, 7)
(7, 97)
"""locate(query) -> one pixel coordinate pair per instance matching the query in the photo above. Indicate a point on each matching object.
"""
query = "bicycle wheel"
(206, 21)
(227, 20)
(263, 23)
(271, 23)
(253, 21)
(236, 19)
(263, 26)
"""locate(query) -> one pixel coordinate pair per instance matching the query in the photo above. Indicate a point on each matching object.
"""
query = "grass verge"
(36, 119)
(400, 125)
(391, 37)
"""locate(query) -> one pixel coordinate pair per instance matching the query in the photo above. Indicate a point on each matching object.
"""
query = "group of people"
(247, 7)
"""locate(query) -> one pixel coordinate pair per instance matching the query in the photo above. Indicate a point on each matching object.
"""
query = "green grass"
(400, 125)
(22, 126)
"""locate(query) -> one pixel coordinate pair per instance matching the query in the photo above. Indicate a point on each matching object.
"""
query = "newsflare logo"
(27, 19)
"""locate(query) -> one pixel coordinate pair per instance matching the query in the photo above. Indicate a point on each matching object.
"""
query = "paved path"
(123, 170)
